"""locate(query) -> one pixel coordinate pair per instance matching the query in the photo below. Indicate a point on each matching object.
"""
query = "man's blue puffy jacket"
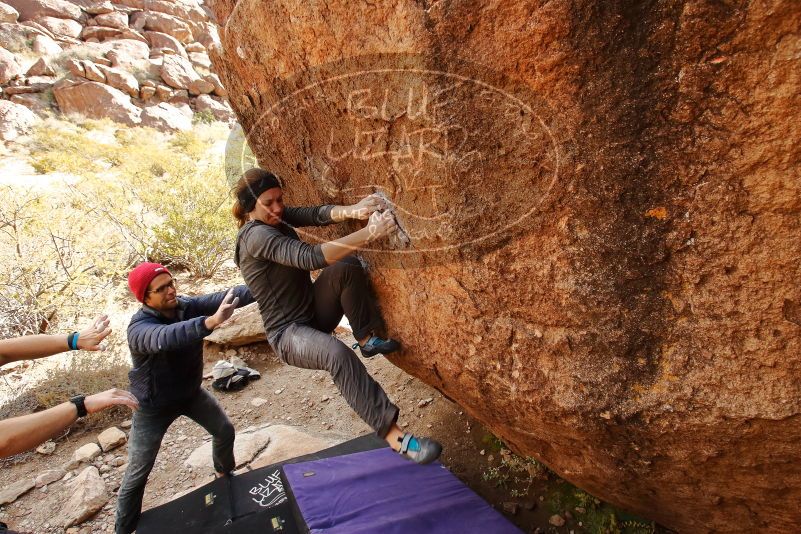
(167, 353)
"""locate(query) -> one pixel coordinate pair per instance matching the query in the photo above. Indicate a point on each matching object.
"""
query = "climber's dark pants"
(147, 431)
(341, 288)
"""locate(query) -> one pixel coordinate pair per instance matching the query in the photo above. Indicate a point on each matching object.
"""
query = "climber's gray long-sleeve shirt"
(275, 264)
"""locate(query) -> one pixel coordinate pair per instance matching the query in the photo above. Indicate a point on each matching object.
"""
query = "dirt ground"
(521, 489)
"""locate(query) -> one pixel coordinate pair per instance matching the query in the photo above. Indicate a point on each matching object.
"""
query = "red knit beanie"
(142, 275)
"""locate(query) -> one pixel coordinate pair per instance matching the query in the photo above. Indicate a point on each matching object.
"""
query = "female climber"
(299, 315)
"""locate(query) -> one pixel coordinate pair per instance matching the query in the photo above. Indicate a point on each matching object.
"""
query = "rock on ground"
(32, 9)
(8, 13)
(9, 66)
(289, 442)
(120, 79)
(113, 20)
(48, 447)
(243, 328)
(219, 90)
(602, 205)
(166, 117)
(163, 40)
(246, 447)
(59, 26)
(86, 453)
(50, 476)
(265, 446)
(218, 109)
(127, 53)
(15, 120)
(111, 438)
(42, 67)
(13, 491)
(178, 72)
(96, 101)
(87, 496)
(169, 24)
(46, 46)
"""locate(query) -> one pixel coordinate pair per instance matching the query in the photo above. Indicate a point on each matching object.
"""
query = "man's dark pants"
(341, 288)
(147, 431)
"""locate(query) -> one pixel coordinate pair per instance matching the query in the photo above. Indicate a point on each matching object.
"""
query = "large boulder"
(166, 117)
(15, 119)
(200, 59)
(45, 46)
(177, 72)
(601, 202)
(248, 445)
(169, 24)
(163, 40)
(200, 87)
(120, 79)
(290, 442)
(114, 19)
(15, 37)
(96, 7)
(34, 84)
(32, 9)
(127, 54)
(96, 101)
(9, 66)
(219, 89)
(38, 103)
(43, 66)
(188, 10)
(62, 27)
(101, 33)
(219, 109)
(8, 13)
(92, 72)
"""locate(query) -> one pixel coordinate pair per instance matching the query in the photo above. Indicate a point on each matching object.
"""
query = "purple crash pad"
(378, 491)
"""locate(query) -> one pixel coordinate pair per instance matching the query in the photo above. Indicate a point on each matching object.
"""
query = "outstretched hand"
(90, 337)
(224, 312)
(107, 399)
(367, 206)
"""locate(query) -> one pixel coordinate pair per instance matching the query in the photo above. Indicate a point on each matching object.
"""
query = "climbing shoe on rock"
(376, 345)
(419, 450)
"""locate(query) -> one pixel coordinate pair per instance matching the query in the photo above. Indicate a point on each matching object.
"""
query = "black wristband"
(69, 340)
(79, 404)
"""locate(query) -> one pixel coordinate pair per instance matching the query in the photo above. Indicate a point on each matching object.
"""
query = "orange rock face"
(601, 205)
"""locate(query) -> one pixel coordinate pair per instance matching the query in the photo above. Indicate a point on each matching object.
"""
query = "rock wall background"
(638, 329)
(136, 62)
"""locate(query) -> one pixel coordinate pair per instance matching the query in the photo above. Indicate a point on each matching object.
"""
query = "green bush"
(204, 117)
(197, 232)
(135, 194)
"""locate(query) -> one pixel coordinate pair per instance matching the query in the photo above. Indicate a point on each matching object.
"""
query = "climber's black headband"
(247, 197)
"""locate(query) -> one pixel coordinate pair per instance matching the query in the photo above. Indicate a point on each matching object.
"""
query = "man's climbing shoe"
(376, 345)
(419, 450)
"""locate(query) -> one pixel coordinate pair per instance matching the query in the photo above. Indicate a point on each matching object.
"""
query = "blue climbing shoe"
(376, 345)
(419, 450)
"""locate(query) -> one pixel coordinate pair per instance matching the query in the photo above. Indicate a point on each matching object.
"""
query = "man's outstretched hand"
(224, 312)
(113, 397)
